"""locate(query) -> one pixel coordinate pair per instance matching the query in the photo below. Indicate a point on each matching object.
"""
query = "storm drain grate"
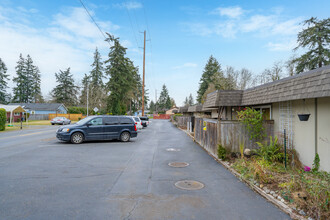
(178, 164)
(189, 185)
(172, 149)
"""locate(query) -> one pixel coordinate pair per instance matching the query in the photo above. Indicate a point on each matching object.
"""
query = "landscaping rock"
(247, 152)
(301, 212)
(261, 186)
(279, 197)
(275, 195)
(309, 218)
(267, 191)
(282, 200)
(272, 192)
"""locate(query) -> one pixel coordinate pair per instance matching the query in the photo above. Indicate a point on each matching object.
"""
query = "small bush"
(316, 164)
(222, 152)
(3, 119)
(271, 152)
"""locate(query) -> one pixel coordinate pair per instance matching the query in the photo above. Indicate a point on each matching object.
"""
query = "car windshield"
(83, 121)
(57, 118)
(136, 119)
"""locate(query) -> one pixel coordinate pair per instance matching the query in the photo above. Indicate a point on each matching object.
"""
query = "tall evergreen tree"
(191, 100)
(36, 90)
(316, 37)
(28, 81)
(152, 106)
(65, 91)
(210, 69)
(20, 89)
(85, 87)
(164, 101)
(97, 94)
(121, 73)
(3, 82)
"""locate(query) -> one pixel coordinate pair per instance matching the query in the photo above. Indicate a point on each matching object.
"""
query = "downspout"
(11, 115)
(316, 135)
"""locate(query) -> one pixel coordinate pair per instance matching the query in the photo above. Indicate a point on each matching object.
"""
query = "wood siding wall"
(227, 133)
(182, 121)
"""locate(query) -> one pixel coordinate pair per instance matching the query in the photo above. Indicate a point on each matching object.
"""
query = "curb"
(282, 206)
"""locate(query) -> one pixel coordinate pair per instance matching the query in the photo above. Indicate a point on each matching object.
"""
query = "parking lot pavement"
(43, 178)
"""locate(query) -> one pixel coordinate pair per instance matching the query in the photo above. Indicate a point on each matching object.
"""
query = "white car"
(138, 122)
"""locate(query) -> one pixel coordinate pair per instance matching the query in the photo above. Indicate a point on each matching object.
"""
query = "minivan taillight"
(136, 123)
(141, 123)
(135, 128)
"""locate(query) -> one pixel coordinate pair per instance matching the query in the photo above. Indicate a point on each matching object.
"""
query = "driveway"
(42, 178)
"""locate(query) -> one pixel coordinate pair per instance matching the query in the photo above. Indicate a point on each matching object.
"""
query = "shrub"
(222, 152)
(316, 163)
(3, 119)
(252, 119)
(271, 152)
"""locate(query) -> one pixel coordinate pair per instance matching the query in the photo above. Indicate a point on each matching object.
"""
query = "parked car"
(138, 122)
(145, 121)
(60, 121)
(101, 127)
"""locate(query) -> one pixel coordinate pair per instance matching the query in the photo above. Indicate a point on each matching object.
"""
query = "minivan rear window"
(126, 121)
(111, 120)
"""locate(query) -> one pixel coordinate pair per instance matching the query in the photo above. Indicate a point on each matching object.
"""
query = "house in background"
(282, 101)
(40, 111)
(172, 111)
(14, 112)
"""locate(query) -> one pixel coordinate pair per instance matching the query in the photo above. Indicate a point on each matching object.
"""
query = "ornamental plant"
(3, 118)
(252, 119)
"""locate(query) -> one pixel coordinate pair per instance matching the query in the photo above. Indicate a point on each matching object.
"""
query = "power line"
(94, 21)
(130, 21)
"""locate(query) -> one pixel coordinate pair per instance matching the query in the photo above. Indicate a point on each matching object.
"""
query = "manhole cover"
(178, 164)
(172, 149)
(189, 185)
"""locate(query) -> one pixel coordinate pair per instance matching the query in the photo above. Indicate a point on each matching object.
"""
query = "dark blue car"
(102, 127)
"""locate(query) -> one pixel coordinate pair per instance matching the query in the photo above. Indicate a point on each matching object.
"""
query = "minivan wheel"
(125, 136)
(77, 138)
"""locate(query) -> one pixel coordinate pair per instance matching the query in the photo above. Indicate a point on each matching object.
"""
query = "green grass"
(17, 125)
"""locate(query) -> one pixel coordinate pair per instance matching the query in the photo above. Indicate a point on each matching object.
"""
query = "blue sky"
(182, 35)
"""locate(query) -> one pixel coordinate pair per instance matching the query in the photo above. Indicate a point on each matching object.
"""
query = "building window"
(17, 113)
(33, 112)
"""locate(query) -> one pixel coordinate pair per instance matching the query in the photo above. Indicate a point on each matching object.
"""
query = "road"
(43, 178)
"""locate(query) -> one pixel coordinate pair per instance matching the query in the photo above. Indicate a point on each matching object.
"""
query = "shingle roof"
(311, 84)
(183, 109)
(12, 108)
(40, 106)
(195, 108)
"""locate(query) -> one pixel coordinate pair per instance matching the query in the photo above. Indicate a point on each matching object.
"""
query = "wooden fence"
(182, 121)
(72, 117)
(161, 116)
(229, 134)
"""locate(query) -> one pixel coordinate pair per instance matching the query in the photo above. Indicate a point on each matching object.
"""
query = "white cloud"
(232, 12)
(257, 23)
(287, 45)
(129, 5)
(186, 65)
(69, 41)
(261, 25)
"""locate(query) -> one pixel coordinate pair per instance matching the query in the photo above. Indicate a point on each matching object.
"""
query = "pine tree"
(36, 82)
(97, 94)
(20, 89)
(164, 101)
(85, 86)
(152, 106)
(191, 100)
(316, 37)
(65, 91)
(3, 82)
(121, 73)
(186, 102)
(210, 69)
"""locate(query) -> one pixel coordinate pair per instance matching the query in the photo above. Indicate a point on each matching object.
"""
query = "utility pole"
(156, 101)
(87, 97)
(144, 69)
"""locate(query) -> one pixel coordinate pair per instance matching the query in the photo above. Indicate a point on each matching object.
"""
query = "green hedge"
(3, 119)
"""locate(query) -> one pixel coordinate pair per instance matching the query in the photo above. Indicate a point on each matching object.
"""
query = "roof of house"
(311, 84)
(40, 106)
(183, 109)
(12, 108)
(195, 108)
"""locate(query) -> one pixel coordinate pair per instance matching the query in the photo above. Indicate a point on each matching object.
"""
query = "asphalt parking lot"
(43, 178)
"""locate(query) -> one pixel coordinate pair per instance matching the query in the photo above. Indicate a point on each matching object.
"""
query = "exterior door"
(111, 127)
(95, 129)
